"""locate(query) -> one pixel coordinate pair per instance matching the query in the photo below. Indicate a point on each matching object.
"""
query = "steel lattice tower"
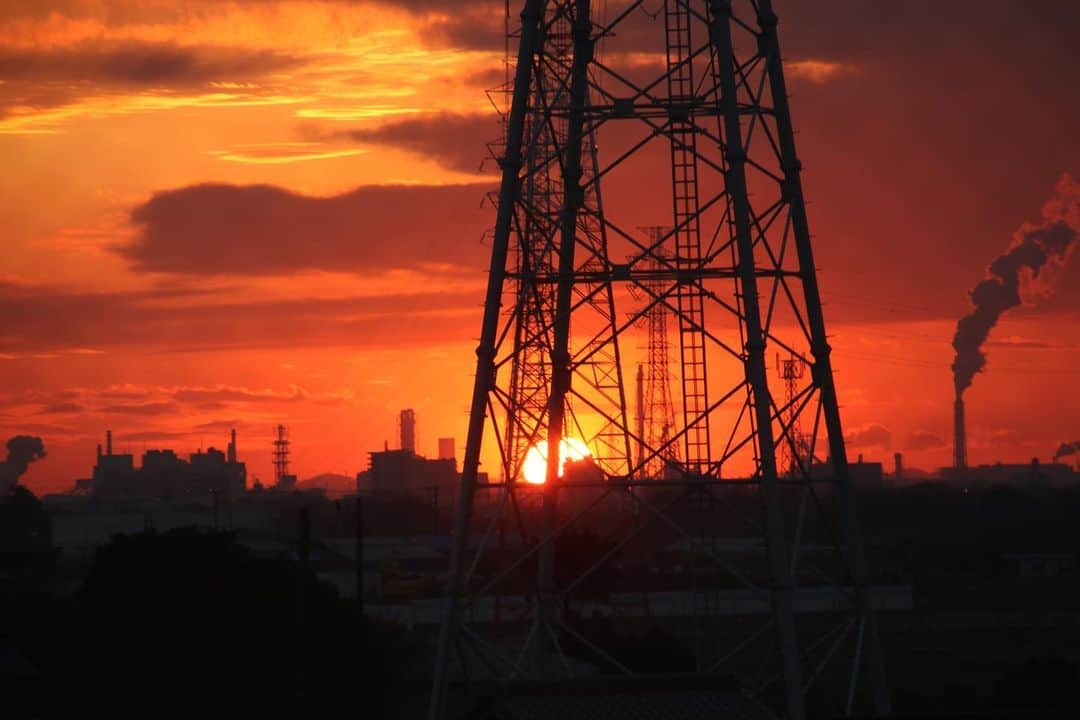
(736, 275)
(658, 407)
(792, 370)
(281, 454)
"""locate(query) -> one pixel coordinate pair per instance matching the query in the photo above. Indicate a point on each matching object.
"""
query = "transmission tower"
(709, 130)
(281, 456)
(791, 370)
(659, 409)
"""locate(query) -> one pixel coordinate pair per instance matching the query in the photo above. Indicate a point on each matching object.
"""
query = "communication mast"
(281, 457)
(792, 370)
(735, 274)
(659, 409)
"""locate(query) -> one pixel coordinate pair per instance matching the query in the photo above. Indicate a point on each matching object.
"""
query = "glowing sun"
(535, 467)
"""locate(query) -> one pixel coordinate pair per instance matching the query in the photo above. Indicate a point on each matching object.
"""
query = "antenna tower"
(281, 455)
(705, 137)
(659, 410)
(792, 452)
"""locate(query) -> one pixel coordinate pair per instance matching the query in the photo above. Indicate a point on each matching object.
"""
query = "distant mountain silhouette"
(334, 484)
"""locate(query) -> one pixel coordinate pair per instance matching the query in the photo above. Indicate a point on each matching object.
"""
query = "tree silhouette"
(189, 623)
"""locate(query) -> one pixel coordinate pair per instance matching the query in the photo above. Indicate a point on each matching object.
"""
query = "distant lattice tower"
(281, 456)
(792, 452)
(735, 274)
(659, 408)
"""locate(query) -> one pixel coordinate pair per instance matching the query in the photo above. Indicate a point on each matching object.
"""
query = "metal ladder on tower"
(688, 259)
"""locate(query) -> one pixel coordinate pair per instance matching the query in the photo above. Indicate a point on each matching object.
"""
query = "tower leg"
(531, 16)
(822, 369)
(755, 367)
(573, 197)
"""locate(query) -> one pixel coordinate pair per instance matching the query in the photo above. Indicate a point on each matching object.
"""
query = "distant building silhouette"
(163, 474)
(405, 471)
(862, 473)
(1032, 474)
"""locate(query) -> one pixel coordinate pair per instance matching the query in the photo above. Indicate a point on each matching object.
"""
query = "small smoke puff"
(1067, 449)
(1065, 204)
(22, 450)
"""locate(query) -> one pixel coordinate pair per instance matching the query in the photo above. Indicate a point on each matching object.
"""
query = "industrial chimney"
(898, 467)
(408, 430)
(108, 442)
(232, 446)
(959, 436)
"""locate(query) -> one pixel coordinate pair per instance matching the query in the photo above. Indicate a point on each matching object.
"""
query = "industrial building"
(1033, 474)
(164, 474)
(404, 471)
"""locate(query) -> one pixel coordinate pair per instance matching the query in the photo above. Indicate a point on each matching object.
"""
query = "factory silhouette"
(163, 475)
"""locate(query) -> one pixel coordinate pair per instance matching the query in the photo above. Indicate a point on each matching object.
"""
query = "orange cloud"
(821, 71)
(281, 153)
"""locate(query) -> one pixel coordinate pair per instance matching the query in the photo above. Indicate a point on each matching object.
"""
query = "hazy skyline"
(203, 206)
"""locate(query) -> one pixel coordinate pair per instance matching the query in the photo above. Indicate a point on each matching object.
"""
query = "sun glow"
(535, 467)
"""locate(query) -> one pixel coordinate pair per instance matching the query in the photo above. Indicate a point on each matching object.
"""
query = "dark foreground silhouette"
(188, 623)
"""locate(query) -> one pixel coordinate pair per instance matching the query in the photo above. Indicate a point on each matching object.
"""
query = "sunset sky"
(233, 214)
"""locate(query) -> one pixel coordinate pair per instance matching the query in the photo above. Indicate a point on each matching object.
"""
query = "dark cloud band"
(263, 230)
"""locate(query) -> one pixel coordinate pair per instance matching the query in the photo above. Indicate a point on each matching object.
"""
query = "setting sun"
(535, 467)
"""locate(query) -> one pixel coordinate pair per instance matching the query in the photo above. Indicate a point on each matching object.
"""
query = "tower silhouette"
(659, 408)
(792, 452)
(707, 127)
(281, 457)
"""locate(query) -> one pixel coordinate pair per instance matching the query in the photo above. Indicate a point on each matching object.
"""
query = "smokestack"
(99, 453)
(232, 446)
(108, 442)
(959, 435)
(898, 466)
(408, 430)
